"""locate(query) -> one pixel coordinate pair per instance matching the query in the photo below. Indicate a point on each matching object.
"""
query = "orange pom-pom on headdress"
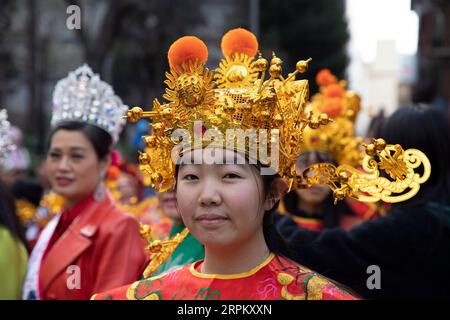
(334, 90)
(324, 78)
(332, 107)
(188, 48)
(113, 173)
(239, 41)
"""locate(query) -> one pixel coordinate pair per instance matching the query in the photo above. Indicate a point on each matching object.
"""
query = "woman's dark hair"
(274, 240)
(8, 216)
(425, 128)
(100, 139)
(27, 190)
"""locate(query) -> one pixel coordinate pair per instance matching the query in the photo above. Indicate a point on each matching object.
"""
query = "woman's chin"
(213, 239)
(68, 193)
(62, 192)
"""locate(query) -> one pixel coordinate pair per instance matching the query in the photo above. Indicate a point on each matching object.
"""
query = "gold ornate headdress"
(338, 137)
(205, 104)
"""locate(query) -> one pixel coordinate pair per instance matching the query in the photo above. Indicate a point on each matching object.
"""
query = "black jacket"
(410, 245)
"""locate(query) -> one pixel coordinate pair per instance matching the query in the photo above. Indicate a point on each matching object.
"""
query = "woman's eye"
(231, 176)
(54, 155)
(190, 177)
(77, 156)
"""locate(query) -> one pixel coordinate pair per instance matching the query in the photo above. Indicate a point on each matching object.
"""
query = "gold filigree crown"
(268, 118)
(269, 113)
(342, 106)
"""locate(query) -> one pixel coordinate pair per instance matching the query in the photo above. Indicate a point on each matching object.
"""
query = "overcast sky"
(372, 20)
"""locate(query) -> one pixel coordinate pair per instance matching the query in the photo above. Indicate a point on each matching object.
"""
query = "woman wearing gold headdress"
(335, 143)
(126, 185)
(314, 208)
(403, 254)
(228, 181)
(227, 207)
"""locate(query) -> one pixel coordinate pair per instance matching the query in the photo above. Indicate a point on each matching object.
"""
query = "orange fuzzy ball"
(333, 90)
(188, 48)
(113, 173)
(325, 78)
(239, 41)
(333, 107)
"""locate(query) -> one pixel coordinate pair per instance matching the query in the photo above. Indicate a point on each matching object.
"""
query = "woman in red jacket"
(91, 245)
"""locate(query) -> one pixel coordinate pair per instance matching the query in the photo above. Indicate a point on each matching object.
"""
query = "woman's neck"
(70, 203)
(237, 259)
(177, 222)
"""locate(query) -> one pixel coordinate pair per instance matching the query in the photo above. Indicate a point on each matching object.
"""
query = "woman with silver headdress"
(90, 235)
(13, 257)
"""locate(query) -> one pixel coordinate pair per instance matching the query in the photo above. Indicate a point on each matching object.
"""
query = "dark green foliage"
(299, 29)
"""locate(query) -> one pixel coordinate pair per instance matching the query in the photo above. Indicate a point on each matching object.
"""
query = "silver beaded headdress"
(82, 96)
(6, 144)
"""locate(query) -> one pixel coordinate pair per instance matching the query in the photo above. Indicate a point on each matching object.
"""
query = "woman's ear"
(279, 187)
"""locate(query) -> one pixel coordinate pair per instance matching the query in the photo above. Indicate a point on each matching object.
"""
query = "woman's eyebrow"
(235, 159)
(239, 166)
(77, 149)
(184, 166)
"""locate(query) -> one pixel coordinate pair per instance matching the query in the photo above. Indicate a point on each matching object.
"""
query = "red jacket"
(104, 243)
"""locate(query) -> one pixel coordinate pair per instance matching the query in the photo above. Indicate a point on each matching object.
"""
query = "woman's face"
(127, 186)
(221, 204)
(72, 164)
(317, 193)
(168, 203)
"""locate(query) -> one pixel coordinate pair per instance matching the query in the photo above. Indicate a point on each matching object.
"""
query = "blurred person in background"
(313, 208)
(27, 196)
(18, 162)
(13, 252)
(337, 144)
(90, 244)
(189, 250)
(410, 244)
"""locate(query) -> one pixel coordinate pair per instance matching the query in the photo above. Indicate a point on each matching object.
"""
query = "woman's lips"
(211, 220)
(63, 182)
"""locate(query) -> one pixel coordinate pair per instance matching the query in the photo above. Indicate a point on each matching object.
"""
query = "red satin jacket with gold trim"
(275, 278)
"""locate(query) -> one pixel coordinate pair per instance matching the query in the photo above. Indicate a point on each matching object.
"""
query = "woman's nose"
(64, 164)
(210, 195)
